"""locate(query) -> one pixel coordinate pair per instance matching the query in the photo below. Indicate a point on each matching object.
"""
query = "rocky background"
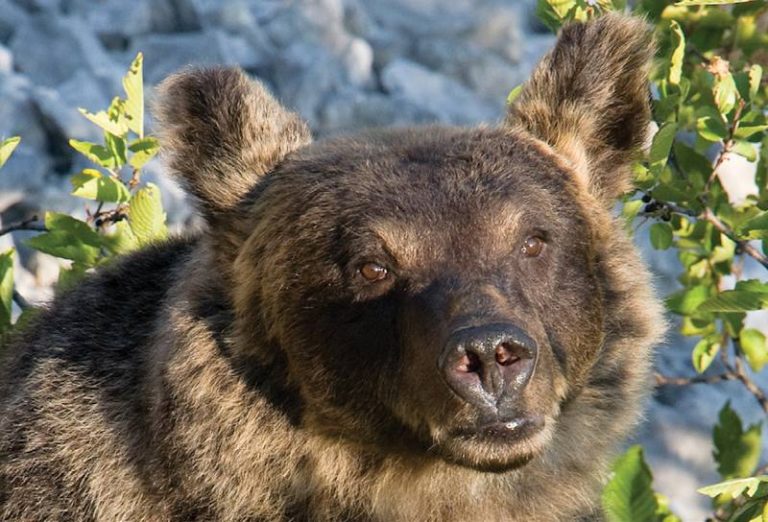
(343, 65)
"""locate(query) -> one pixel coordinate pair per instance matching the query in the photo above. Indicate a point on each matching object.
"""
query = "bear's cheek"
(342, 355)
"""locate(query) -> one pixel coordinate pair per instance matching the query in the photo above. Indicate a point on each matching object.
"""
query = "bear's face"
(434, 291)
(436, 286)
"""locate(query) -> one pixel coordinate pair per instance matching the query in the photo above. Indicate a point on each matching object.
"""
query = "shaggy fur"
(252, 373)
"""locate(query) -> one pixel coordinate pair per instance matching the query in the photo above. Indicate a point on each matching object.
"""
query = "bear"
(431, 323)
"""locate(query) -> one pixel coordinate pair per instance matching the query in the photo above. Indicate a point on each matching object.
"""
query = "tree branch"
(27, 224)
(21, 300)
(665, 380)
(708, 215)
(740, 370)
(745, 245)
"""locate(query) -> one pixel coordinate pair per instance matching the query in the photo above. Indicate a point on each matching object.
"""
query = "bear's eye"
(373, 272)
(533, 246)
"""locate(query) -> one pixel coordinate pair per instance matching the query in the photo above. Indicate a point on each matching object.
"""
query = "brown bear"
(425, 324)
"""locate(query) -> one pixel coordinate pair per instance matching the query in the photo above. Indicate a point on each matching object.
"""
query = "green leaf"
(755, 75)
(143, 149)
(752, 285)
(63, 244)
(734, 488)
(725, 93)
(704, 353)
(686, 302)
(745, 149)
(711, 2)
(90, 184)
(754, 346)
(756, 227)
(629, 212)
(6, 148)
(734, 301)
(117, 126)
(661, 236)
(737, 452)
(678, 53)
(94, 152)
(146, 216)
(660, 147)
(133, 83)
(69, 238)
(745, 131)
(711, 128)
(122, 240)
(6, 290)
(117, 148)
(628, 496)
(65, 223)
(69, 277)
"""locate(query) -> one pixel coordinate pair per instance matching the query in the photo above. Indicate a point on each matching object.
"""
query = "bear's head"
(436, 291)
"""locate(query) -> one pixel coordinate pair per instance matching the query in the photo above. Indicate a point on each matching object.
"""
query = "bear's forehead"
(439, 164)
(424, 190)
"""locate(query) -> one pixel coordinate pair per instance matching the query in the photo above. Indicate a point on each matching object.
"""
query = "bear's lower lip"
(507, 430)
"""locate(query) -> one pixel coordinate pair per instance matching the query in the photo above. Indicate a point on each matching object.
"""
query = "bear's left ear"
(589, 100)
(220, 133)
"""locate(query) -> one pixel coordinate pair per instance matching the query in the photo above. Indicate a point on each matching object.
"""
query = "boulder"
(446, 99)
(50, 48)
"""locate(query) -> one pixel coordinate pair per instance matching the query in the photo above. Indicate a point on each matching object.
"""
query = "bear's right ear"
(221, 132)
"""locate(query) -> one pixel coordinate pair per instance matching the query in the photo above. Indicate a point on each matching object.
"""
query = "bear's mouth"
(497, 446)
(504, 431)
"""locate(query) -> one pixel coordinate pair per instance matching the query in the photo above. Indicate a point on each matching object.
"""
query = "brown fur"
(251, 374)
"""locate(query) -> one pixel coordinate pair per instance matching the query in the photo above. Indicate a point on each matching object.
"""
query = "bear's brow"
(409, 243)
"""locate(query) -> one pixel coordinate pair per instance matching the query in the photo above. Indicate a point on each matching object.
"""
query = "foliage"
(709, 104)
(128, 214)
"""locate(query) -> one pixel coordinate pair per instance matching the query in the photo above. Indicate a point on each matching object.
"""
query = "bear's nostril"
(505, 354)
(469, 363)
(488, 363)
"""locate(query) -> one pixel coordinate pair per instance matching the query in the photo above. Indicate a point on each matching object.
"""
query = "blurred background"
(343, 65)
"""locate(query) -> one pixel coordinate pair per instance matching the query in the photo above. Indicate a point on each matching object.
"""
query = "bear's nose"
(483, 364)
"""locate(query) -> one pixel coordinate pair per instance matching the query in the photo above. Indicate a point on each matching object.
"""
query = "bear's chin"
(498, 447)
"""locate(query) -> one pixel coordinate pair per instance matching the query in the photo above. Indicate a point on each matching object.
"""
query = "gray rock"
(499, 30)
(357, 61)
(234, 16)
(18, 114)
(33, 6)
(59, 107)
(121, 18)
(237, 50)
(166, 53)
(446, 99)
(423, 17)
(11, 17)
(318, 21)
(6, 60)
(49, 49)
(23, 175)
(351, 109)
(486, 73)
(304, 75)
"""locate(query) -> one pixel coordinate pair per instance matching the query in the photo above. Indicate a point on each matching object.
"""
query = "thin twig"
(665, 380)
(27, 224)
(728, 143)
(740, 370)
(745, 245)
(21, 300)
(135, 178)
